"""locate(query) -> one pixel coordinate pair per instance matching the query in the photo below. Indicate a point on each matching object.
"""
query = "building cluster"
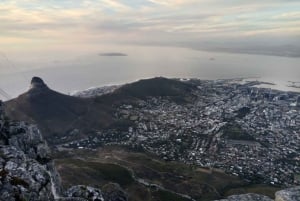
(244, 130)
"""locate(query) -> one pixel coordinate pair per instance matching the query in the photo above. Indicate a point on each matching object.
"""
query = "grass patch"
(167, 196)
(76, 172)
(235, 132)
(202, 184)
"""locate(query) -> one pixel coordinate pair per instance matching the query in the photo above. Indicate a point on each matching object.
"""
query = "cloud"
(115, 5)
(172, 3)
(288, 16)
(40, 24)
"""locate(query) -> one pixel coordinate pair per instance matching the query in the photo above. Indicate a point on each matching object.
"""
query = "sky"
(65, 40)
(50, 28)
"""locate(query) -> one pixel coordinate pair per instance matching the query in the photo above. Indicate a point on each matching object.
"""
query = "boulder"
(85, 193)
(247, 197)
(291, 194)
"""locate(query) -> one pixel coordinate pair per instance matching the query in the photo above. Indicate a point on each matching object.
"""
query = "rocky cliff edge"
(27, 171)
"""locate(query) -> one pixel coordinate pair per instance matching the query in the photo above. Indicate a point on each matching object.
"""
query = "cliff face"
(23, 159)
(27, 171)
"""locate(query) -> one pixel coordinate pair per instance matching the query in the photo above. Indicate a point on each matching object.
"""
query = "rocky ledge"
(23, 158)
(27, 171)
(247, 197)
(291, 194)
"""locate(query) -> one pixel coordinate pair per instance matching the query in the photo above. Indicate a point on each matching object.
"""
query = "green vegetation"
(113, 164)
(235, 132)
(75, 171)
(167, 196)
(242, 112)
(154, 163)
(177, 177)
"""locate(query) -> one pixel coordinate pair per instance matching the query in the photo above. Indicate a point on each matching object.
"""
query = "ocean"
(98, 68)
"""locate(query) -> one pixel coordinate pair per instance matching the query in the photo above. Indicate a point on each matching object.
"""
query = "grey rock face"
(22, 178)
(29, 139)
(109, 192)
(27, 171)
(248, 197)
(85, 192)
(291, 194)
(22, 173)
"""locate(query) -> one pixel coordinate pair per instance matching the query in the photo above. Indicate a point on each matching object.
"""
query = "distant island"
(113, 54)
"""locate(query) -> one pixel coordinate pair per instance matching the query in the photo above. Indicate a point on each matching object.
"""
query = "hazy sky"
(49, 27)
(60, 40)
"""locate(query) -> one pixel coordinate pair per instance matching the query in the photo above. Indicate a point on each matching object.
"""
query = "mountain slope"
(58, 115)
(159, 86)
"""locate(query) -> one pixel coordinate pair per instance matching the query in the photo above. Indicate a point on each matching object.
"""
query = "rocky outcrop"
(22, 178)
(85, 193)
(27, 171)
(109, 192)
(28, 139)
(247, 197)
(23, 155)
(37, 82)
(291, 194)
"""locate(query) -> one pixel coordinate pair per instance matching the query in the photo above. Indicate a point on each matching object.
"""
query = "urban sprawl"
(244, 130)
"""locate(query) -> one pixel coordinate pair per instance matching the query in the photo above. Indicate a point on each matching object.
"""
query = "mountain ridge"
(56, 113)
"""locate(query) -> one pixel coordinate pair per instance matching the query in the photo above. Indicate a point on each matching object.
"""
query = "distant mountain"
(57, 114)
(176, 90)
(159, 86)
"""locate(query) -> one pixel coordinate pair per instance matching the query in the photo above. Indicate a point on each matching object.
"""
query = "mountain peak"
(37, 82)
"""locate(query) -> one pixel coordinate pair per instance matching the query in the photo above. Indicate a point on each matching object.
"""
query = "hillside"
(56, 113)
(59, 115)
(159, 86)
